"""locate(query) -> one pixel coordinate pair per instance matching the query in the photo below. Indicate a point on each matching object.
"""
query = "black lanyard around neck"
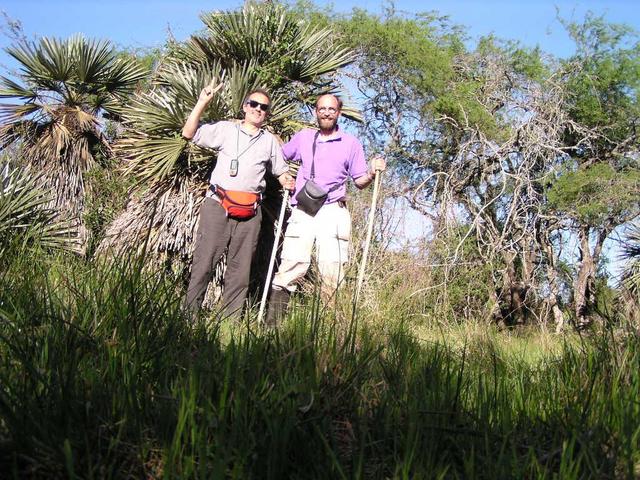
(251, 143)
(313, 154)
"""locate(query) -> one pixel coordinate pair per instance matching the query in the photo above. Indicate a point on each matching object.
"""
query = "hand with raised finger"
(207, 92)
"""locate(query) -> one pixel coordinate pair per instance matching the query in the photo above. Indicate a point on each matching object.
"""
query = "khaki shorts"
(330, 231)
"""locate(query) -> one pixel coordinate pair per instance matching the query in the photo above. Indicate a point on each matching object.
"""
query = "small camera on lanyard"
(233, 168)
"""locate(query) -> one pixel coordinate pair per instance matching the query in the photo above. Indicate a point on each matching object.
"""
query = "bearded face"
(327, 112)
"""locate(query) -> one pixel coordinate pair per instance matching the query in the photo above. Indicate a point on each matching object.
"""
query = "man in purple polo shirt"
(336, 157)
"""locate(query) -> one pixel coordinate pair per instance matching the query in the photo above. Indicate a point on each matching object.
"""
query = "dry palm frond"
(165, 221)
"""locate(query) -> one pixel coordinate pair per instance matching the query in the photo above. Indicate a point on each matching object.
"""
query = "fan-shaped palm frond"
(631, 252)
(290, 55)
(25, 216)
(283, 45)
(65, 86)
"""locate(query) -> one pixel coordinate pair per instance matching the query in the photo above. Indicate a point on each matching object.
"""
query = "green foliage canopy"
(597, 194)
(603, 81)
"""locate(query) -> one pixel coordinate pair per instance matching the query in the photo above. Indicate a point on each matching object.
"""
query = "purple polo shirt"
(337, 159)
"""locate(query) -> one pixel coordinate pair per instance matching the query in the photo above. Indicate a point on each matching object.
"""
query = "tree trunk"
(510, 299)
(554, 288)
(584, 286)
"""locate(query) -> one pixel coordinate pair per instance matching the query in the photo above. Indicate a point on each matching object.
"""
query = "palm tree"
(65, 89)
(260, 45)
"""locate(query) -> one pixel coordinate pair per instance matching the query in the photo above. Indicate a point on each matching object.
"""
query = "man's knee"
(290, 273)
(331, 274)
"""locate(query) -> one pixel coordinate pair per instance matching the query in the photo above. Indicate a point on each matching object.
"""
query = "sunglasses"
(253, 104)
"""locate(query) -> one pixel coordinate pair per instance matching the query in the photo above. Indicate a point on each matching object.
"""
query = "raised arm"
(191, 125)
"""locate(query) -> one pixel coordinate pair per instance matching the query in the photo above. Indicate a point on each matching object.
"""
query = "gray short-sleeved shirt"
(255, 153)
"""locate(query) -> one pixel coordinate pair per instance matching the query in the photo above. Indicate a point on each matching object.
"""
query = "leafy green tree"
(453, 123)
(64, 93)
(510, 140)
(600, 186)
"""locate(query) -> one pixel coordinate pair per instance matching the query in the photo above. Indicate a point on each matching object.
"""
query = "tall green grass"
(104, 376)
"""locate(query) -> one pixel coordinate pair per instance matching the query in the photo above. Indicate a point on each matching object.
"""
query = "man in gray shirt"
(230, 215)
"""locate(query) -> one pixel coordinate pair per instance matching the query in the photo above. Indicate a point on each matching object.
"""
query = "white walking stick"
(372, 214)
(272, 260)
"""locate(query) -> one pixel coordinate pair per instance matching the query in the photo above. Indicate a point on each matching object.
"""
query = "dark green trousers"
(215, 233)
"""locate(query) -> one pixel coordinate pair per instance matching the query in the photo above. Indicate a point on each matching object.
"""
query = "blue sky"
(138, 23)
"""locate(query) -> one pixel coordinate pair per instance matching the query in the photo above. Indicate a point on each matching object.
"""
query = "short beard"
(331, 123)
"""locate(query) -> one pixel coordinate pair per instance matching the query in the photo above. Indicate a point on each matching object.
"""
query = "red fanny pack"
(238, 205)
